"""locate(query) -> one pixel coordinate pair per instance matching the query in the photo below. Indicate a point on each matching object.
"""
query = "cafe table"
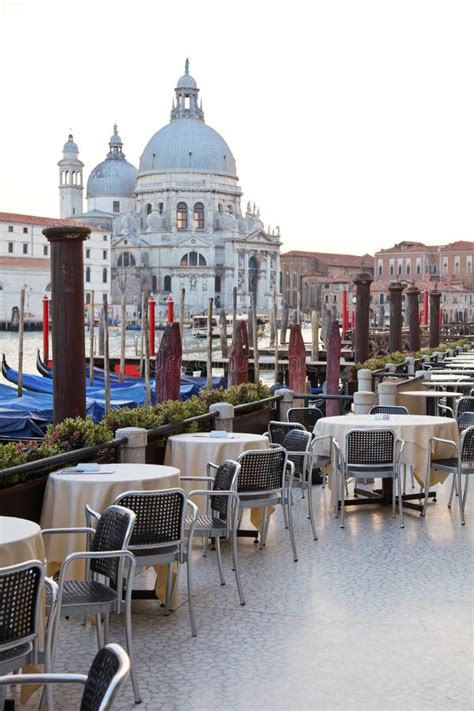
(430, 398)
(20, 541)
(414, 430)
(190, 453)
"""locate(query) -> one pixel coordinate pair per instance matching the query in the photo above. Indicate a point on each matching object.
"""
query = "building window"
(73, 210)
(88, 274)
(418, 266)
(217, 285)
(154, 284)
(25, 230)
(126, 260)
(45, 250)
(25, 248)
(407, 266)
(457, 265)
(469, 265)
(104, 238)
(391, 270)
(148, 208)
(10, 248)
(88, 253)
(88, 297)
(182, 216)
(253, 274)
(104, 275)
(104, 254)
(392, 267)
(116, 206)
(167, 283)
(334, 298)
(199, 216)
(445, 265)
(10, 228)
(193, 259)
(380, 267)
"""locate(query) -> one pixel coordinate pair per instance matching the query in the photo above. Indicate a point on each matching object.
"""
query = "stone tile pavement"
(370, 617)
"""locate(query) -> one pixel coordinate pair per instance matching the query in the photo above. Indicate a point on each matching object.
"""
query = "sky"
(351, 121)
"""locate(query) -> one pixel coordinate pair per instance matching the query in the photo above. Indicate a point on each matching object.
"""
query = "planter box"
(24, 500)
(255, 422)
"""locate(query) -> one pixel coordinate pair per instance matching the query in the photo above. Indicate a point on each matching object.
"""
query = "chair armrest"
(80, 529)
(206, 492)
(447, 409)
(19, 679)
(449, 442)
(196, 478)
(90, 514)
(212, 465)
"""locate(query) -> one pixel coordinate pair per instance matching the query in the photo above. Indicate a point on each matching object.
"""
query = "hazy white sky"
(352, 121)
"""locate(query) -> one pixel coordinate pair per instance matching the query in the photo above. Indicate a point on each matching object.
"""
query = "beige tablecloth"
(190, 453)
(20, 540)
(415, 430)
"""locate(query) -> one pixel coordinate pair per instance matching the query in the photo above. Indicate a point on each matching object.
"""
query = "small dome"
(187, 82)
(70, 146)
(112, 178)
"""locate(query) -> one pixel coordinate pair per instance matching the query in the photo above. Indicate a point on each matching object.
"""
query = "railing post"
(387, 393)
(410, 361)
(364, 380)
(224, 413)
(363, 402)
(285, 403)
(134, 450)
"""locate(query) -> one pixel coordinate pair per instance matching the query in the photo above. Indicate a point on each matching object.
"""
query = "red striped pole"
(425, 307)
(45, 329)
(151, 323)
(344, 313)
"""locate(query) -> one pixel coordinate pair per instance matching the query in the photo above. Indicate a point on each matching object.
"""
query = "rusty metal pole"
(395, 288)
(435, 299)
(68, 338)
(362, 281)
(413, 312)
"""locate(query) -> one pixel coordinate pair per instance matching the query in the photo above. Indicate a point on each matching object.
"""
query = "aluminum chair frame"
(178, 550)
(306, 416)
(389, 410)
(361, 469)
(216, 527)
(285, 427)
(57, 678)
(461, 467)
(114, 599)
(250, 497)
(303, 468)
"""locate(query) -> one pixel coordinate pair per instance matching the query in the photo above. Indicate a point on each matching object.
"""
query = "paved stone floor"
(370, 617)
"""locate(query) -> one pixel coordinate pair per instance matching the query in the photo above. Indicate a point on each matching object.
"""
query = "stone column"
(362, 281)
(387, 393)
(364, 380)
(413, 294)
(285, 404)
(364, 400)
(68, 340)
(395, 288)
(134, 452)
(435, 298)
(224, 416)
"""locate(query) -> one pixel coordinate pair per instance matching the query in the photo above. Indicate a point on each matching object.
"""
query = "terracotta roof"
(44, 221)
(25, 262)
(337, 260)
(333, 279)
(408, 246)
(459, 245)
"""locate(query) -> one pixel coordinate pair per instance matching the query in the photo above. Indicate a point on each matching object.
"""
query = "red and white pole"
(425, 307)
(170, 302)
(45, 329)
(344, 313)
(151, 323)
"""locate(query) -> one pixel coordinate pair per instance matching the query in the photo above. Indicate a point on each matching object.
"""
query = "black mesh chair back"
(306, 416)
(113, 533)
(389, 410)
(298, 441)
(262, 470)
(467, 445)
(224, 480)
(20, 587)
(108, 670)
(464, 404)
(277, 431)
(465, 420)
(159, 516)
(370, 448)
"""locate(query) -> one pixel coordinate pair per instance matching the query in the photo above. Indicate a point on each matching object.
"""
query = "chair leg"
(265, 533)
(292, 534)
(341, 494)
(98, 631)
(400, 501)
(393, 496)
(217, 542)
(412, 475)
(235, 563)
(262, 528)
(106, 628)
(460, 497)
(454, 488)
(192, 619)
(404, 477)
(427, 491)
(130, 652)
(285, 516)
(311, 513)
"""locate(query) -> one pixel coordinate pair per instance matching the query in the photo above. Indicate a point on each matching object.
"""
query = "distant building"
(176, 220)
(25, 264)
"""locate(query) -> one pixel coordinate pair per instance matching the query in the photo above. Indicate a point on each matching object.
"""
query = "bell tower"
(70, 180)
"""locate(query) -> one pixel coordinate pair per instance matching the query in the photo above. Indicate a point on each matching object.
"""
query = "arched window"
(154, 284)
(253, 271)
(104, 275)
(126, 260)
(148, 208)
(217, 284)
(88, 273)
(381, 299)
(182, 216)
(167, 283)
(199, 216)
(193, 259)
(145, 259)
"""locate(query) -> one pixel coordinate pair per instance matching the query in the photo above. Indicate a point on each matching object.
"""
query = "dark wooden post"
(413, 311)
(68, 338)
(333, 368)
(395, 288)
(362, 281)
(435, 298)
(168, 364)
(296, 360)
(238, 372)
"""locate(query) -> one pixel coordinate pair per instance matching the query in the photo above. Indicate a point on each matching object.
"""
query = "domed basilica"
(176, 222)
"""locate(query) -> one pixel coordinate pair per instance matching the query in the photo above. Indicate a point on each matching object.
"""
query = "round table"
(429, 398)
(68, 491)
(20, 540)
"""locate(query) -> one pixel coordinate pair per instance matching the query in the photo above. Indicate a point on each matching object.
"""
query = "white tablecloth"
(414, 430)
(20, 540)
(68, 493)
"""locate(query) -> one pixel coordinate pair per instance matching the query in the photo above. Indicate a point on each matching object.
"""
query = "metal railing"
(249, 406)
(157, 432)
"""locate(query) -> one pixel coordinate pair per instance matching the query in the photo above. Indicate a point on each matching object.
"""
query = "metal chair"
(389, 410)
(108, 671)
(21, 587)
(265, 479)
(371, 453)
(464, 404)
(299, 452)
(306, 416)
(158, 536)
(108, 565)
(465, 420)
(221, 517)
(277, 431)
(462, 464)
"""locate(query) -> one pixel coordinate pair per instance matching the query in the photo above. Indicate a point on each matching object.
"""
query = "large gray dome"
(112, 178)
(187, 145)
